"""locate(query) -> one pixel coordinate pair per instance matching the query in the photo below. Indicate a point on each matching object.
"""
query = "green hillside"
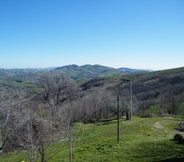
(91, 71)
(137, 76)
(74, 71)
(166, 72)
(141, 139)
(87, 71)
(171, 71)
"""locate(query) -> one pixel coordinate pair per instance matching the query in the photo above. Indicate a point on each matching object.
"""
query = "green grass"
(34, 87)
(141, 139)
(171, 71)
(18, 84)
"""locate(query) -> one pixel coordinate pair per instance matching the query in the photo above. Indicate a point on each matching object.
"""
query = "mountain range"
(74, 71)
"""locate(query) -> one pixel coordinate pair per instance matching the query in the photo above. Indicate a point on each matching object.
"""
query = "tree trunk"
(70, 143)
(42, 153)
(2, 145)
(127, 116)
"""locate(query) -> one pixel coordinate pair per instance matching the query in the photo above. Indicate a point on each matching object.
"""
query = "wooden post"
(131, 97)
(118, 119)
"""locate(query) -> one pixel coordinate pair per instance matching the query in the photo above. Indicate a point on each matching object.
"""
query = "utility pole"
(131, 97)
(118, 119)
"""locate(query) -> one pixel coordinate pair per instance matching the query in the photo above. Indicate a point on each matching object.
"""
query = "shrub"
(178, 138)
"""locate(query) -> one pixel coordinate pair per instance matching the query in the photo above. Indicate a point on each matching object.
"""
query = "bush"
(178, 138)
(145, 113)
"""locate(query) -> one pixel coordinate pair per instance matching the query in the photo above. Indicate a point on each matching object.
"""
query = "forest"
(53, 107)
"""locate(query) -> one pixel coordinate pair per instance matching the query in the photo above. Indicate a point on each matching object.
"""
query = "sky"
(140, 34)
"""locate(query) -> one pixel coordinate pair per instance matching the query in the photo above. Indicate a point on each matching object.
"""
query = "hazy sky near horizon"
(144, 34)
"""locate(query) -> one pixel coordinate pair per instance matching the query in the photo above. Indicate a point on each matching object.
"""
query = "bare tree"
(56, 90)
(72, 125)
(170, 99)
(34, 131)
(10, 105)
(59, 91)
(96, 104)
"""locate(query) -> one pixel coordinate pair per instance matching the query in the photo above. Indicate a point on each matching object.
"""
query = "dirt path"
(158, 125)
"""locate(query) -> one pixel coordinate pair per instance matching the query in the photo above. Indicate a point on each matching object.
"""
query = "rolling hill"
(91, 71)
(74, 71)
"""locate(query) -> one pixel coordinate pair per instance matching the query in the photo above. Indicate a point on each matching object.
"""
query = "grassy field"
(24, 85)
(141, 139)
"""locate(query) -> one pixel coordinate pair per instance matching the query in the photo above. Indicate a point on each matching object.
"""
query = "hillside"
(147, 86)
(91, 71)
(86, 71)
(162, 77)
(22, 75)
(166, 72)
(93, 107)
(141, 139)
(163, 89)
(74, 71)
(171, 71)
(129, 70)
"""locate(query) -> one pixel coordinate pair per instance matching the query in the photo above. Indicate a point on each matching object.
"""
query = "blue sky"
(144, 34)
